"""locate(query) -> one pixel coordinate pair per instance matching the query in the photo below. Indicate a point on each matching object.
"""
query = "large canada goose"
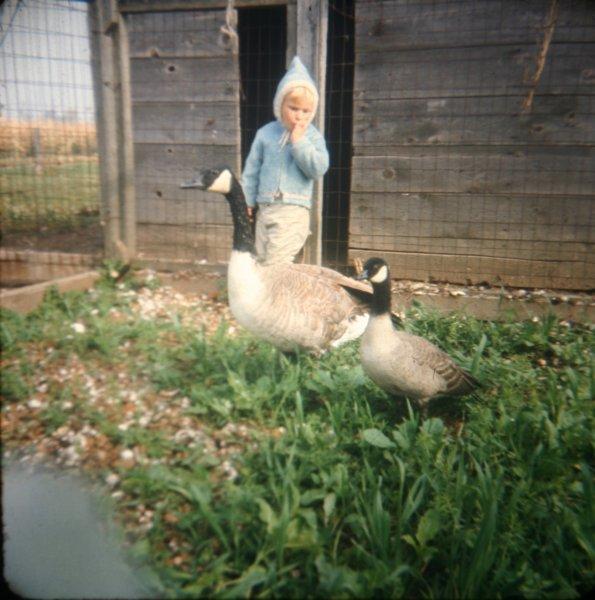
(292, 306)
(401, 363)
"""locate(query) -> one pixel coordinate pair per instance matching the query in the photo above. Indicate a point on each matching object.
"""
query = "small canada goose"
(401, 363)
(290, 305)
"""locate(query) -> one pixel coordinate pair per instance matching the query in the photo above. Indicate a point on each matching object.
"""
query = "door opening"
(263, 42)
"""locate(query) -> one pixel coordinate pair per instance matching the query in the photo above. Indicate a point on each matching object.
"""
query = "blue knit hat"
(297, 76)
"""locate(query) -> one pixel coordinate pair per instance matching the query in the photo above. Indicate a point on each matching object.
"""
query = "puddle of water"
(55, 541)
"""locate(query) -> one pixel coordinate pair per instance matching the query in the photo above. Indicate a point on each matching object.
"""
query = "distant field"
(48, 175)
(60, 196)
(44, 137)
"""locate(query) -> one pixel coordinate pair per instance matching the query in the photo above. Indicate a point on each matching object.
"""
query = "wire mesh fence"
(460, 133)
(49, 184)
(473, 141)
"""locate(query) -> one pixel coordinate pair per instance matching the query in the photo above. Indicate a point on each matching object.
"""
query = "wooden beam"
(105, 86)
(126, 145)
(136, 6)
(312, 28)
(114, 127)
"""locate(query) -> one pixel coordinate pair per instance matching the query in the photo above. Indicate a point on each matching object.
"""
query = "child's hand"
(297, 133)
(250, 211)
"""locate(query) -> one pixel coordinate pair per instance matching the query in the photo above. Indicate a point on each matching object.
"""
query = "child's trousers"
(281, 231)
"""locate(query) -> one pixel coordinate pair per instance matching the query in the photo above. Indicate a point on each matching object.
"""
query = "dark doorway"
(263, 42)
(338, 126)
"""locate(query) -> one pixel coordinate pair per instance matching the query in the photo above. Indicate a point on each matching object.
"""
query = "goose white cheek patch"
(380, 276)
(222, 184)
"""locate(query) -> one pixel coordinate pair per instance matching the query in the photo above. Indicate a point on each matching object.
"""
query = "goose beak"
(196, 183)
(362, 276)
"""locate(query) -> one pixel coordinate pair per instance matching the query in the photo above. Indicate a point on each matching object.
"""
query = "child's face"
(296, 110)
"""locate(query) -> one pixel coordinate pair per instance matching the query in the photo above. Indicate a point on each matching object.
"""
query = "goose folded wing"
(313, 300)
(456, 379)
(359, 289)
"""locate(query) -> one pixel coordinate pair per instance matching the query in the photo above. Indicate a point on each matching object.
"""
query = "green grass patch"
(337, 491)
(57, 198)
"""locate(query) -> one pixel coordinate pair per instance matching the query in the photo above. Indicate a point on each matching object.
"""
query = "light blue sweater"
(277, 172)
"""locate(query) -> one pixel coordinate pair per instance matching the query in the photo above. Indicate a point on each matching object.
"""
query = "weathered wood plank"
(160, 168)
(105, 76)
(544, 218)
(184, 80)
(563, 119)
(312, 28)
(170, 205)
(186, 123)
(517, 249)
(477, 270)
(480, 169)
(398, 24)
(475, 71)
(208, 242)
(126, 143)
(177, 162)
(140, 6)
(192, 34)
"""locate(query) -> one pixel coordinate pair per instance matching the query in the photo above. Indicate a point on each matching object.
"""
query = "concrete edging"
(27, 298)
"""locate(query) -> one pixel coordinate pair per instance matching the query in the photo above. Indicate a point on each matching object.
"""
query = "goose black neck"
(382, 298)
(243, 236)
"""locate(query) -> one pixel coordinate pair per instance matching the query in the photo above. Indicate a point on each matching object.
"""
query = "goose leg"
(424, 405)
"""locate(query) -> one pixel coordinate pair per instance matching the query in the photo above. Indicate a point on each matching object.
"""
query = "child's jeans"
(281, 231)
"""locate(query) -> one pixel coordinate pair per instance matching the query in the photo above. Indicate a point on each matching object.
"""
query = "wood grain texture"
(160, 168)
(469, 270)
(205, 123)
(184, 242)
(188, 34)
(449, 180)
(389, 25)
(475, 71)
(557, 119)
(476, 169)
(184, 80)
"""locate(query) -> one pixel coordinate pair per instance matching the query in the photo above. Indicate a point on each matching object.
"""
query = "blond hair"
(299, 92)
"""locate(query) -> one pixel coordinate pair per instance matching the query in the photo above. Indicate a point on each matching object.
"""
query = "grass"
(63, 195)
(332, 490)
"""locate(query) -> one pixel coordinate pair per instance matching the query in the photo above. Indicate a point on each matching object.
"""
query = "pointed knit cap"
(297, 75)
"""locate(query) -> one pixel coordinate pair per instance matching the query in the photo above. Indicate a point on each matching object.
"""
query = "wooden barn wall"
(451, 181)
(185, 112)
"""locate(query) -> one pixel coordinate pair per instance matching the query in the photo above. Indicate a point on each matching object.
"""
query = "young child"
(285, 159)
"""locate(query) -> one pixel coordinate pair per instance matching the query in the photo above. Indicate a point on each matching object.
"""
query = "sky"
(45, 60)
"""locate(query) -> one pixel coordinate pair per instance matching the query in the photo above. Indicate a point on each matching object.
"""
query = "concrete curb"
(27, 298)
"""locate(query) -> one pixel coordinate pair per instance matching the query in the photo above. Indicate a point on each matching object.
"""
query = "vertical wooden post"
(126, 156)
(106, 126)
(291, 20)
(312, 28)
(114, 127)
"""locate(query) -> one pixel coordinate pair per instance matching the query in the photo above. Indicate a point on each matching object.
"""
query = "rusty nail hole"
(388, 173)
(158, 193)
(171, 68)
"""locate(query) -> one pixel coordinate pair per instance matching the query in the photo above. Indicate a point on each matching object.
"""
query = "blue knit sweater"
(278, 172)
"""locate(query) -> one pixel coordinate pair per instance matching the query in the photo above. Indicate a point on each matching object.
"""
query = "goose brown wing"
(329, 275)
(313, 298)
(458, 381)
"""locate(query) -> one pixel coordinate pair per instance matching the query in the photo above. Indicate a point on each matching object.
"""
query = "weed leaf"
(375, 437)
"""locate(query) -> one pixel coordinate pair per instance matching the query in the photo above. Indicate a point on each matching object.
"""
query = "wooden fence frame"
(307, 24)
